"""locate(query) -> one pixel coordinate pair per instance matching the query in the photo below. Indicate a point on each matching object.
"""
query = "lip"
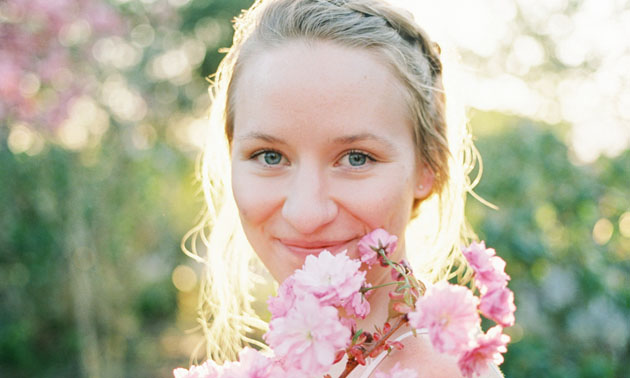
(313, 247)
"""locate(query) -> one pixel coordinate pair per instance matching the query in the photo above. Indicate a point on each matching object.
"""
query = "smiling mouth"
(309, 248)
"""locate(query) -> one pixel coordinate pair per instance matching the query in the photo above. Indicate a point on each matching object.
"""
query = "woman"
(328, 121)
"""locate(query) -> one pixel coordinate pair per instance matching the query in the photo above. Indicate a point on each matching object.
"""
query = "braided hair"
(367, 24)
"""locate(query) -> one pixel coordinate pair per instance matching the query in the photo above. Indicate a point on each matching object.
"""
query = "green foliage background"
(89, 240)
(572, 294)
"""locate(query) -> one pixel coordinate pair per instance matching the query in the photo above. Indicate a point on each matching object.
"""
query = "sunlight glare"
(589, 38)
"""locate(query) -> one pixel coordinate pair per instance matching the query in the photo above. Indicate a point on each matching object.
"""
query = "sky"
(553, 60)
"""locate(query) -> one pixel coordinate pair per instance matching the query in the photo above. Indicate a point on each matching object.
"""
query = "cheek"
(381, 202)
(254, 197)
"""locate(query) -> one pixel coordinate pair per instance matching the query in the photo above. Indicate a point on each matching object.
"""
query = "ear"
(425, 177)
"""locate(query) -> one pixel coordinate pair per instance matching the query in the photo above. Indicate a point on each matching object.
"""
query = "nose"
(308, 205)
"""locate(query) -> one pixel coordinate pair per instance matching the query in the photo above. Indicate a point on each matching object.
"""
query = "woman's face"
(322, 153)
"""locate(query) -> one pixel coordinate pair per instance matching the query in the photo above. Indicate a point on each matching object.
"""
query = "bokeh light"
(23, 139)
(624, 224)
(184, 278)
(602, 231)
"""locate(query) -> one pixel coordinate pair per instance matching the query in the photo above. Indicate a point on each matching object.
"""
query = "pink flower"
(449, 313)
(395, 274)
(282, 303)
(370, 244)
(347, 322)
(280, 371)
(333, 279)
(489, 268)
(206, 370)
(251, 364)
(357, 306)
(308, 337)
(397, 372)
(487, 349)
(498, 305)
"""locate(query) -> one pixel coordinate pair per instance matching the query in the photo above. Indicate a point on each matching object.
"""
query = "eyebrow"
(349, 139)
(346, 139)
(261, 136)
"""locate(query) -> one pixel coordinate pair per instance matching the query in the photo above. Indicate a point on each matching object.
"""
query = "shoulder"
(419, 355)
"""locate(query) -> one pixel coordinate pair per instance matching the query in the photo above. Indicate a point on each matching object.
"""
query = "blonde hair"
(438, 227)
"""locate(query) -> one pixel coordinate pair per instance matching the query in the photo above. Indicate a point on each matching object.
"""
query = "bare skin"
(323, 153)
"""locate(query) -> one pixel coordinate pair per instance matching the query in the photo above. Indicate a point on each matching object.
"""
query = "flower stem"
(353, 363)
(394, 265)
(366, 289)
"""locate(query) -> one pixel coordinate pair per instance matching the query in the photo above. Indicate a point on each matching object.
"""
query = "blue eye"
(269, 157)
(357, 159)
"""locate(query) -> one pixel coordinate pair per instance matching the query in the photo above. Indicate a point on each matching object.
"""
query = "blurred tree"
(46, 49)
(87, 252)
(101, 106)
(97, 103)
(559, 228)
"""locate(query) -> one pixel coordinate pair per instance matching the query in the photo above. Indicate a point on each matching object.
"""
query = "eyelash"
(258, 153)
(255, 155)
(367, 155)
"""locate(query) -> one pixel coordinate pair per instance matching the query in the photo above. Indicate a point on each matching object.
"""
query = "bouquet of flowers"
(313, 324)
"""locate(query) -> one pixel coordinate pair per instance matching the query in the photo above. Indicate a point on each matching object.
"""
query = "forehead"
(318, 83)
